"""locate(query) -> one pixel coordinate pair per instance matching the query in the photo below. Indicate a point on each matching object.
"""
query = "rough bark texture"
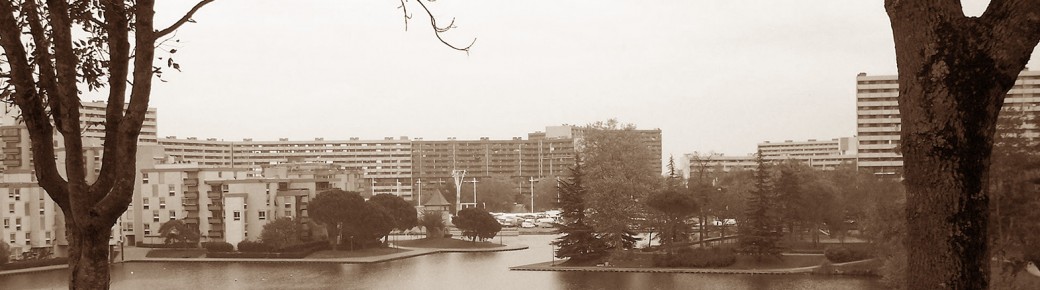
(954, 72)
(44, 83)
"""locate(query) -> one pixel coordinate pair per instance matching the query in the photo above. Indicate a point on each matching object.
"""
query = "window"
(12, 238)
(172, 192)
(155, 216)
(225, 188)
(144, 201)
(144, 178)
(262, 215)
(147, 229)
(162, 203)
(18, 224)
(288, 213)
(173, 215)
(288, 205)
(10, 208)
(17, 194)
(7, 223)
(238, 215)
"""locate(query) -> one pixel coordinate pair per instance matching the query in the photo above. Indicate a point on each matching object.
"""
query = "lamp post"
(474, 191)
(418, 182)
(532, 194)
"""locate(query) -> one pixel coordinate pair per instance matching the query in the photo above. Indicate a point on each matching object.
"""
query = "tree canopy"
(578, 241)
(476, 223)
(280, 233)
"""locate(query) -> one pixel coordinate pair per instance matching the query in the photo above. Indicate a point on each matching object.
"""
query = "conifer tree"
(760, 231)
(578, 241)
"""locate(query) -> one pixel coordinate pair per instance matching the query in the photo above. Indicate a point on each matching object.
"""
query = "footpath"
(554, 266)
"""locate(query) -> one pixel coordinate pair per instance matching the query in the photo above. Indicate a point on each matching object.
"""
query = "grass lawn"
(447, 243)
(168, 253)
(330, 254)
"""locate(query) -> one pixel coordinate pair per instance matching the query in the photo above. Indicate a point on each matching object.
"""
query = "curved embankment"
(549, 266)
(412, 252)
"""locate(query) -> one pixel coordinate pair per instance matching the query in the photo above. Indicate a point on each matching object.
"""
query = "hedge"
(167, 246)
(34, 263)
(697, 258)
(253, 247)
(845, 254)
(213, 247)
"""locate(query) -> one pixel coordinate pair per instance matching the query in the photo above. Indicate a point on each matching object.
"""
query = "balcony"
(216, 233)
(191, 207)
(191, 182)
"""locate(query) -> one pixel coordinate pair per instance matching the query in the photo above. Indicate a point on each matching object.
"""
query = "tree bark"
(954, 72)
(88, 257)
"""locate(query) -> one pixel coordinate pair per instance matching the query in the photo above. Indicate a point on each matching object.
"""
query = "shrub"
(302, 247)
(447, 235)
(187, 245)
(216, 247)
(5, 253)
(844, 254)
(34, 263)
(697, 258)
(248, 246)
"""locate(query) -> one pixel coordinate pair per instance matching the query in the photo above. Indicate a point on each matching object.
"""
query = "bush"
(844, 254)
(447, 235)
(311, 246)
(168, 246)
(248, 246)
(5, 253)
(217, 247)
(34, 263)
(697, 258)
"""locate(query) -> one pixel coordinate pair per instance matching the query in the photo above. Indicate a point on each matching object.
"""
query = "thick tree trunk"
(88, 257)
(954, 72)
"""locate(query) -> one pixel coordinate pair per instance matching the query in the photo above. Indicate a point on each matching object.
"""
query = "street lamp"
(532, 194)
(418, 182)
(474, 181)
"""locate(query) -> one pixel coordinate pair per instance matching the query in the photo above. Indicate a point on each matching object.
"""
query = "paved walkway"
(411, 252)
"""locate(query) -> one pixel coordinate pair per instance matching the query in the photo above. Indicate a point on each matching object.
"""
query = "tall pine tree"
(760, 231)
(578, 242)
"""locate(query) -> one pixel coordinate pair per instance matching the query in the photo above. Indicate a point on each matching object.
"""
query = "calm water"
(438, 271)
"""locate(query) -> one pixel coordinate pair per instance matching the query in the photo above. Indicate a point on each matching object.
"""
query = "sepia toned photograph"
(445, 144)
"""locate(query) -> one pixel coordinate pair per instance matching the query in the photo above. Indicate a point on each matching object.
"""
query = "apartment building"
(818, 154)
(231, 204)
(92, 121)
(386, 164)
(878, 122)
(649, 137)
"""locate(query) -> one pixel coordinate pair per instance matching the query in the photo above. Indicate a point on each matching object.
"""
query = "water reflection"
(439, 271)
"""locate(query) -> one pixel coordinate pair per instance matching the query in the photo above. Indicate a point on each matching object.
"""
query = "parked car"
(527, 225)
(546, 225)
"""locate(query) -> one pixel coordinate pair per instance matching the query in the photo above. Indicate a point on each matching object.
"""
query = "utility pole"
(418, 181)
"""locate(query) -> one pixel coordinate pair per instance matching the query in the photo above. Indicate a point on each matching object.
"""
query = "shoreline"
(411, 253)
(551, 266)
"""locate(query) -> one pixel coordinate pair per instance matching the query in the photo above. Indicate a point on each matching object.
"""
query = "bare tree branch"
(184, 19)
(438, 30)
(406, 15)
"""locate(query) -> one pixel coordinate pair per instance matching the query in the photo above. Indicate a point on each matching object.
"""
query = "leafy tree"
(618, 177)
(178, 232)
(760, 229)
(5, 252)
(280, 233)
(338, 210)
(954, 73)
(674, 206)
(789, 196)
(476, 223)
(1012, 190)
(546, 194)
(375, 223)
(403, 213)
(577, 241)
(54, 50)
(497, 194)
(433, 221)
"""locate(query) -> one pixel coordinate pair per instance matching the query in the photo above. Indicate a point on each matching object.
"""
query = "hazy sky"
(713, 75)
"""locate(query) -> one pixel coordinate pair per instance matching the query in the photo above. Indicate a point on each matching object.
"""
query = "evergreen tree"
(578, 241)
(759, 233)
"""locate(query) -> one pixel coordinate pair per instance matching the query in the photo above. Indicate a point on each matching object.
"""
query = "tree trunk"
(88, 257)
(954, 72)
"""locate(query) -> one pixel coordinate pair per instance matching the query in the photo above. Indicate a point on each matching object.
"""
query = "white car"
(527, 225)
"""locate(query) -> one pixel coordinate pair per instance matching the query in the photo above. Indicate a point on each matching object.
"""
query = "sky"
(717, 76)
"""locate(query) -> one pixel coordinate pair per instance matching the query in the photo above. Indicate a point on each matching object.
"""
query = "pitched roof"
(437, 200)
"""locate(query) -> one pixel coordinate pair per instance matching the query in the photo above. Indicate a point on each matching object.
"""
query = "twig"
(437, 30)
(186, 18)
